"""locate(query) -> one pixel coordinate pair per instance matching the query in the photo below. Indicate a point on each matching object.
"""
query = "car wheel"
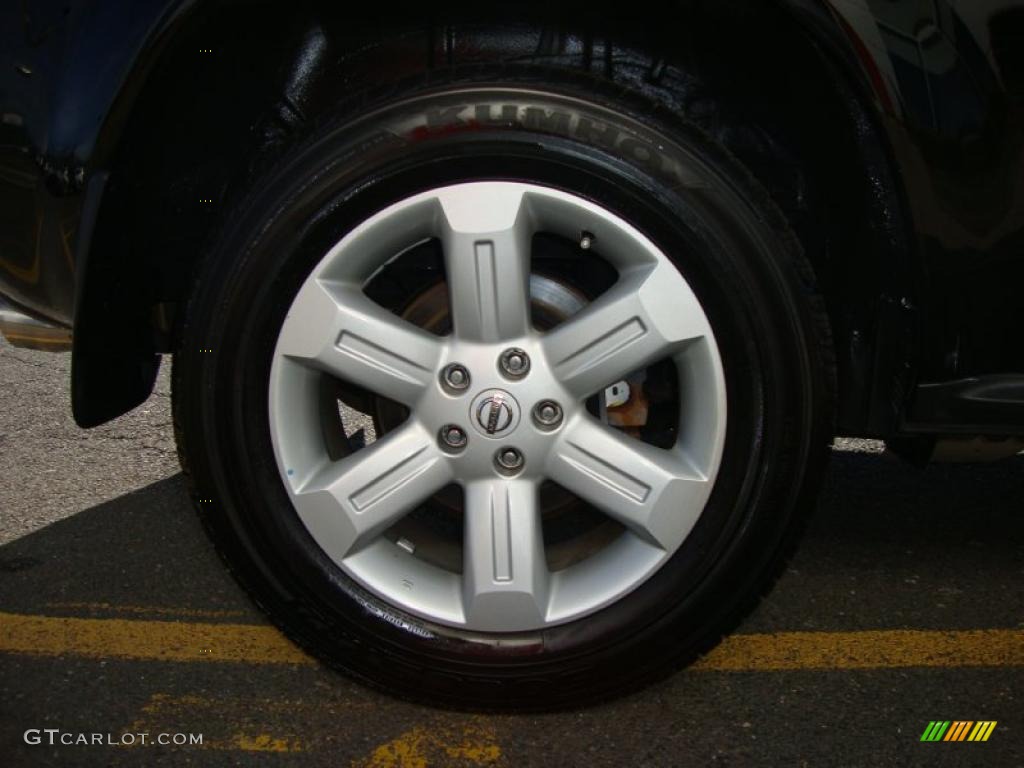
(504, 392)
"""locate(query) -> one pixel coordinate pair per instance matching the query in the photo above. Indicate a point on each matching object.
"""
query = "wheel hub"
(495, 413)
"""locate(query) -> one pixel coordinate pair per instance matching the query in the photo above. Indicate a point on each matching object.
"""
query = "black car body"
(121, 126)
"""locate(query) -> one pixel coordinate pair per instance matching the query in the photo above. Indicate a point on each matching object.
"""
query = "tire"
(568, 141)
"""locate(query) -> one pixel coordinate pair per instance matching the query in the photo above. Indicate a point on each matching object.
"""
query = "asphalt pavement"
(904, 606)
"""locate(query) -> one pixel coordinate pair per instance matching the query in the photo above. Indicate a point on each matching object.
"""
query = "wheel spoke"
(656, 494)
(486, 241)
(337, 329)
(505, 576)
(351, 502)
(640, 320)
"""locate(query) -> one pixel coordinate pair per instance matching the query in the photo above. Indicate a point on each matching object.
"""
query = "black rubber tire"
(653, 168)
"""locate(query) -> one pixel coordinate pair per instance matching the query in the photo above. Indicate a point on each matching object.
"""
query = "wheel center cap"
(494, 413)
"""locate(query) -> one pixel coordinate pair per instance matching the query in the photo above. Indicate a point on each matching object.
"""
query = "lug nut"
(455, 376)
(514, 362)
(586, 241)
(454, 436)
(508, 459)
(547, 413)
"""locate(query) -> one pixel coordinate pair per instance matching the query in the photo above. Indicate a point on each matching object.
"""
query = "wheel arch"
(192, 125)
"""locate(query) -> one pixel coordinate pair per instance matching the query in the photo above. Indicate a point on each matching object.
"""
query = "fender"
(72, 118)
(75, 70)
(946, 86)
(105, 380)
(114, 361)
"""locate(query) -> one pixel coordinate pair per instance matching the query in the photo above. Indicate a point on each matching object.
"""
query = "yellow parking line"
(256, 644)
(877, 649)
(144, 610)
(146, 640)
(244, 723)
(274, 724)
(473, 743)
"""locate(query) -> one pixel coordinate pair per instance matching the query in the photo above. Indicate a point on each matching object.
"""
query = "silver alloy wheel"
(485, 230)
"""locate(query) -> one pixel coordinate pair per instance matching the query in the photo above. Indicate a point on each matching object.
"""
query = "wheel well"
(227, 94)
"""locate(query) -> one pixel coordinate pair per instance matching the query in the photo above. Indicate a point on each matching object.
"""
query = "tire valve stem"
(586, 240)
(407, 545)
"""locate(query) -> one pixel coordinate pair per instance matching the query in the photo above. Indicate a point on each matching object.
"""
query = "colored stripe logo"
(958, 730)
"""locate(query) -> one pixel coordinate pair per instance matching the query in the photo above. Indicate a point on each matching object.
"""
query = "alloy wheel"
(496, 407)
